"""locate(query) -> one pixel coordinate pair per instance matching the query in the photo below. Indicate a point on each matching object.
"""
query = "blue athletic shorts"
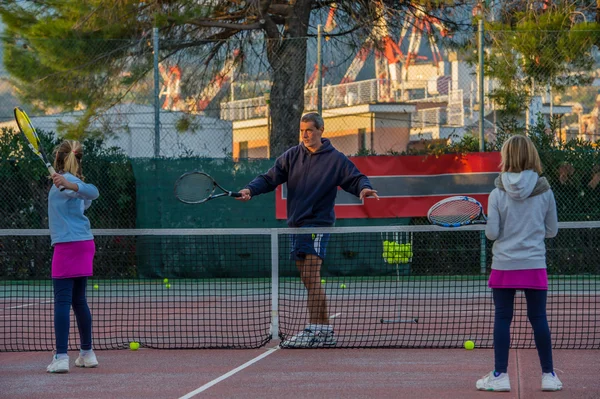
(303, 244)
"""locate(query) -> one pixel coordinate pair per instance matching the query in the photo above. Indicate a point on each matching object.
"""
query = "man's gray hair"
(315, 118)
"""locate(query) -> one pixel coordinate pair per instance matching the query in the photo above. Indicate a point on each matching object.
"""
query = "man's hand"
(368, 192)
(245, 195)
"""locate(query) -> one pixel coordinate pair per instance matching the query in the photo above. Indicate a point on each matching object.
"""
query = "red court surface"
(288, 373)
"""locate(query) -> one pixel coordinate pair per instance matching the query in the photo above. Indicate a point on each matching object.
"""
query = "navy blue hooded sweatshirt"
(312, 181)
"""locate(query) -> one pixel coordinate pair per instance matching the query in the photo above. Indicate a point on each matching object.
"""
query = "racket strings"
(455, 212)
(194, 188)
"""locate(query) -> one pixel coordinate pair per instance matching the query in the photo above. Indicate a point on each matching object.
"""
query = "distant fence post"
(156, 95)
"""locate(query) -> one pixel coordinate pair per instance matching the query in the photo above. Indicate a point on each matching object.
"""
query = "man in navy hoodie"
(313, 170)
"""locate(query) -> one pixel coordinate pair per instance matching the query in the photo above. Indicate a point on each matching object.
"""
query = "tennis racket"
(198, 187)
(456, 211)
(32, 139)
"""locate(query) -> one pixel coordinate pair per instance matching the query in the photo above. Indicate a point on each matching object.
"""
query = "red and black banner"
(409, 185)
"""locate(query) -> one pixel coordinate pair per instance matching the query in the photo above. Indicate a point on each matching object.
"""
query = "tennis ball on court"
(342, 285)
(323, 281)
(469, 345)
(167, 285)
(134, 346)
(96, 286)
(166, 280)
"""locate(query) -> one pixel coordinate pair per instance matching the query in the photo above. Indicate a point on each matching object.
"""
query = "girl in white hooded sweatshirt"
(521, 214)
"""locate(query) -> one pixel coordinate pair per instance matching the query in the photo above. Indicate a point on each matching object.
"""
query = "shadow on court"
(288, 373)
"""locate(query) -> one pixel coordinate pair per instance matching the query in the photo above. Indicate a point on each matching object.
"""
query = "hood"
(520, 186)
(325, 147)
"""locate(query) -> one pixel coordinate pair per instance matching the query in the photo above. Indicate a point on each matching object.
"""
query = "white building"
(131, 128)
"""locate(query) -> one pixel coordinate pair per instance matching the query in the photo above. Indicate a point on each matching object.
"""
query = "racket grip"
(52, 171)
(234, 195)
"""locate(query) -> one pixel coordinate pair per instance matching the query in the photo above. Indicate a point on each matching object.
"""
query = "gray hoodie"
(521, 213)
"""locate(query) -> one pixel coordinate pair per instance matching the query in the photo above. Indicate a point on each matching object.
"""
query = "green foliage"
(537, 50)
(23, 202)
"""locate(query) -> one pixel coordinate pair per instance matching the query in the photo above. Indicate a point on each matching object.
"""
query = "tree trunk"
(287, 96)
(287, 56)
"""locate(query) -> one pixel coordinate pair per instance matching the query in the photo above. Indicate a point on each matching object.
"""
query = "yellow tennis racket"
(32, 138)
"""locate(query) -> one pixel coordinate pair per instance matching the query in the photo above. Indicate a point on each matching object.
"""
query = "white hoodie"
(519, 222)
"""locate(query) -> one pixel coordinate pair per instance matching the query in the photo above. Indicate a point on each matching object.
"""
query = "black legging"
(71, 292)
(536, 313)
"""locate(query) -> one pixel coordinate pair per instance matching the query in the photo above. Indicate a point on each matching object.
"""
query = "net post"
(274, 284)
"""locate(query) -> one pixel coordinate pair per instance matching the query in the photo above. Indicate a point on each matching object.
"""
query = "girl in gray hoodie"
(521, 214)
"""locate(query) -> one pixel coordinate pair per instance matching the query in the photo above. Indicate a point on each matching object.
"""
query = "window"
(243, 150)
(362, 139)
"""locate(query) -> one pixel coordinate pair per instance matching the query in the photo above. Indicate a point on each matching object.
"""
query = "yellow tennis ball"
(323, 281)
(167, 285)
(166, 280)
(469, 345)
(96, 286)
(134, 346)
(342, 285)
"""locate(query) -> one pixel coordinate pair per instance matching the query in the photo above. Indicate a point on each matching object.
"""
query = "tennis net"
(393, 286)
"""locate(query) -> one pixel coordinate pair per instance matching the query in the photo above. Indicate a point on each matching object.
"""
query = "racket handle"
(52, 171)
(234, 195)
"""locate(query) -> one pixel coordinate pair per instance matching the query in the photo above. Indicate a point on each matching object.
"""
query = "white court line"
(29, 304)
(335, 315)
(229, 374)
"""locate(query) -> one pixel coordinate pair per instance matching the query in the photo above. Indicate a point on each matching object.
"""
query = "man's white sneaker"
(88, 360)
(305, 339)
(327, 338)
(550, 382)
(498, 382)
(58, 365)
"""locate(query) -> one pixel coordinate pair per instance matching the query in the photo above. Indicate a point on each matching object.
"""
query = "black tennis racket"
(456, 211)
(32, 139)
(198, 187)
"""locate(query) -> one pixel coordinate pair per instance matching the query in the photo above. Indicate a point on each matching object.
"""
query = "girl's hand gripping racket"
(198, 187)
(456, 211)
(32, 139)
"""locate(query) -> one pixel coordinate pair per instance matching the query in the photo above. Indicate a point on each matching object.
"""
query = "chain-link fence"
(238, 104)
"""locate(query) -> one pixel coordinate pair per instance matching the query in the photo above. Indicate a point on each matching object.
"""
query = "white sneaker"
(305, 339)
(550, 382)
(493, 382)
(89, 360)
(327, 338)
(58, 365)
(310, 339)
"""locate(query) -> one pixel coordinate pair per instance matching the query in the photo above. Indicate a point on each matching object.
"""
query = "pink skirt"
(536, 279)
(73, 259)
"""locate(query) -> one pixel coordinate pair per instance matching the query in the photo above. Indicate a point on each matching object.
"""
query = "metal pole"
(482, 238)
(156, 96)
(481, 89)
(319, 70)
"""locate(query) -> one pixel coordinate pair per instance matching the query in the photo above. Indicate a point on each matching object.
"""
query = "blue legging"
(536, 313)
(71, 292)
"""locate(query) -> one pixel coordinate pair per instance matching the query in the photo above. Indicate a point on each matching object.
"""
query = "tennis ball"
(96, 286)
(469, 345)
(167, 285)
(342, 285)
(166, 280)
(323, 281)
(134, 346)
